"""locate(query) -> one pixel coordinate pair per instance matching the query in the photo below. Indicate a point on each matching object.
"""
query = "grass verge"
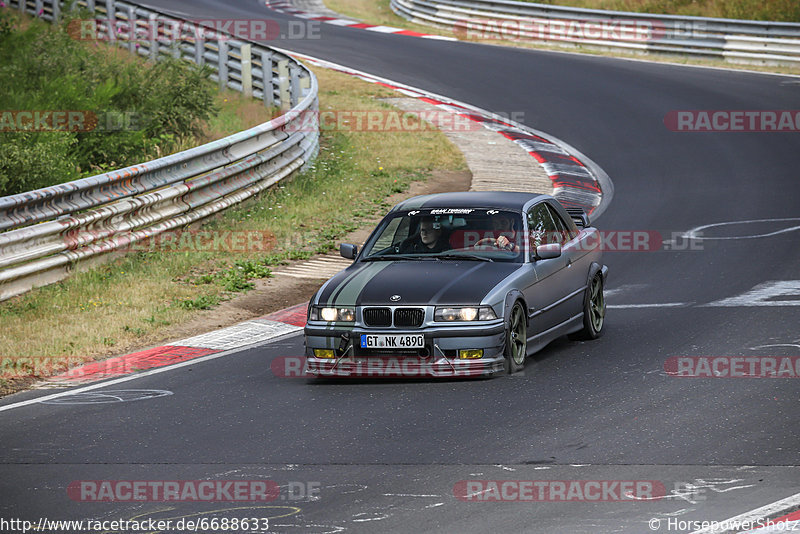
(128, 110)
(133, 301)
(775, 10)
(380, 12)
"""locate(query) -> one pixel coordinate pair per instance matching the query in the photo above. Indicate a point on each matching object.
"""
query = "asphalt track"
(386, 455)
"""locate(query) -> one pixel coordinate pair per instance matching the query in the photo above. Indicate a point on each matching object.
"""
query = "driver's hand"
(503, 242)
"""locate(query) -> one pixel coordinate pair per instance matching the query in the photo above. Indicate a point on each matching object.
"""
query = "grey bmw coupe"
(459, 284)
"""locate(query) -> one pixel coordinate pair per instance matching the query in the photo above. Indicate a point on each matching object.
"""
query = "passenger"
(430, 239)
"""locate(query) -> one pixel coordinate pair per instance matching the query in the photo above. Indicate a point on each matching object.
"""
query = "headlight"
(464, 313)
(331, 315)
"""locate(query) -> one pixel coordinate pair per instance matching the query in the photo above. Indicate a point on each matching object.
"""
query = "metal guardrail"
(47, 232)
(741, 41)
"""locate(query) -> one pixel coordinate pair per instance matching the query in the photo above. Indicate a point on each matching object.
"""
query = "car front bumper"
(439, 358)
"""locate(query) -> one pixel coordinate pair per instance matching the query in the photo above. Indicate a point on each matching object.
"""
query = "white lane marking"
(765, 295)
(693, 491)
(438, 37)
(693, 233)
(128, 378)
(412, 94)
(777, 528)
(504, 468)
(239, 335)
(322, 267)
(654, 305)
(624, 289)
(383, 29)
(340, 22)
(111, 396)
(752, 516)
(759, 347)
(294, 275)
(376, 516)
(307, 527)
(682, 511)
(407, 495)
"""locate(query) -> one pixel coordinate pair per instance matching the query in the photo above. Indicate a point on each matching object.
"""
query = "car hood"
(416, 282)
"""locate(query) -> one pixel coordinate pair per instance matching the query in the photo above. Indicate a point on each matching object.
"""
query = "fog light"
(470, 354)
(324, 353)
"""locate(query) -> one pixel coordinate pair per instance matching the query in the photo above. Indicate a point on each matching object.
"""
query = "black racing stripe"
(434, 282)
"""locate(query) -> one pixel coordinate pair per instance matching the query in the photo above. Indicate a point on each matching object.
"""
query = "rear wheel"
(516, 339)
(594, 310)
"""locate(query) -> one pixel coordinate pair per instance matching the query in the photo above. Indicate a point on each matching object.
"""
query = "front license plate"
(394, 341)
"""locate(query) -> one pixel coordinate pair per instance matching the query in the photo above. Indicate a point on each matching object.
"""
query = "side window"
(541, 227)
(394, 233)
(562, 233)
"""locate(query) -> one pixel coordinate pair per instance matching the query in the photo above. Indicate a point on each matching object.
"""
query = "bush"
(152, 110)
(34, 160)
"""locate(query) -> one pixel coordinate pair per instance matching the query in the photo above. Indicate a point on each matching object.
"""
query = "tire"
(516, 339)
(594, 311)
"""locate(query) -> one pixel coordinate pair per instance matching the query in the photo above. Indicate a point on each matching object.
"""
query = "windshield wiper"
(463, 256)
(392, 257)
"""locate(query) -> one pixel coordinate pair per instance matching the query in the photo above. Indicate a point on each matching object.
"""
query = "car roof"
(511, 200)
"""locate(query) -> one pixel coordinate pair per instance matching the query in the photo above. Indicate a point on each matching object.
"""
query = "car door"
(576, 267)
(552, 278)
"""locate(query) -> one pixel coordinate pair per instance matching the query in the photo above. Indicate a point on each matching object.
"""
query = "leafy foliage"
(142, 110)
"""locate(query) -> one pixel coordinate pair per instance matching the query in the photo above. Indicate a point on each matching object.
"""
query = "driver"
(503, 227)
(428, 240)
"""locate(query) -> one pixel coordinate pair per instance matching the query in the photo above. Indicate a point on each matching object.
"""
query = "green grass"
(775, 10)
(166, 107)
(137, 299)
(379, 12)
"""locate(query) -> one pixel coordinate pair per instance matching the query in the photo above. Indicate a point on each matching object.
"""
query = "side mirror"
(548, 252)
(348, 251)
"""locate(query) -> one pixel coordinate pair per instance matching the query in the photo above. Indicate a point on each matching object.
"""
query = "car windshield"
(446, 234)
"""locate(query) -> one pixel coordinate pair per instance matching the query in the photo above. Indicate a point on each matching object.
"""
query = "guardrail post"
(247, 70)
(22, 5)
(152, 22)
(89, 5)
(295, 77)
(38, 7)
(56, 11)
(266, 79)
(222, 63)
(284, 98)
(200, 50)
(132, 42)
(176, 44)
(305, 86)
(111, 20)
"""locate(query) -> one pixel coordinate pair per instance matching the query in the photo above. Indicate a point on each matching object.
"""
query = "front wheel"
(516, 340)
(594, 310)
